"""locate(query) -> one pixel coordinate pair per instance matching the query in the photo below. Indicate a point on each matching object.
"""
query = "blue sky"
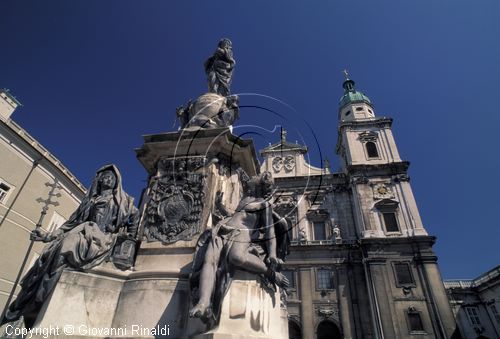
(94, 76)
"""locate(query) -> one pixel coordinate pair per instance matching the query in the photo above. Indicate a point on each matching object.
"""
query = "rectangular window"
(4, 189)
(371, 149)
(319, 231)
(473, 315)
(290, 275)
(415, 321)
(403, 274)
(390, 221)
(494, 310)
(324, 279)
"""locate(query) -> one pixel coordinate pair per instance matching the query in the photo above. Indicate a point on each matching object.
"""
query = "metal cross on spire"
(346, 74)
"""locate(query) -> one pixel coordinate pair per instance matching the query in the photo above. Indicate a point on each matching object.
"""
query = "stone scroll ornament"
(106, 217)
(217, 108)
(175, 200)
(239, 241)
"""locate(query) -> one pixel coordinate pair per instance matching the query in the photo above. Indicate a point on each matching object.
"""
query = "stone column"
(440, 304)
(301, 216)
(377, 283)
(306, 308)
(345, 312)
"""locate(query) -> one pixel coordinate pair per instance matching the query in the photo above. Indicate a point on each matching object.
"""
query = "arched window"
(388, 211)
(294, 331)
(371, 149)
(327, 330)
(415, 320)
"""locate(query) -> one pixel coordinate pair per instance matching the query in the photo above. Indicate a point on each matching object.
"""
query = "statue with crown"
(200, 257)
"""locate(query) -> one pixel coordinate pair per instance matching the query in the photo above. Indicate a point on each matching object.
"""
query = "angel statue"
(252, 239)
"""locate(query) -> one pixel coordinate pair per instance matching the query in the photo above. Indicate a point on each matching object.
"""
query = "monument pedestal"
(249, 312)
(133, 304)
(108, 303)
(185, 170)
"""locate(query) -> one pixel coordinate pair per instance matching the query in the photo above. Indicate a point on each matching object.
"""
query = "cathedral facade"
(361, 262)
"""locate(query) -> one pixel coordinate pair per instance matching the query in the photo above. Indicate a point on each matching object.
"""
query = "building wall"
(476, 304)
(27, 169)
(365, 293)
(367, 298)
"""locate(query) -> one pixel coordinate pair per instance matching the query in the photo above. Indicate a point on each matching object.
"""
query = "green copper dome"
(351, 95)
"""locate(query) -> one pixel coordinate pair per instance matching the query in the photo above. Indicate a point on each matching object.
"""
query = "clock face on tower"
(277, 164)
(382, 190)
(289, 163)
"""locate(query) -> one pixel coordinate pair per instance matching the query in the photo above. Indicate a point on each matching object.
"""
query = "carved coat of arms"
(175, 200)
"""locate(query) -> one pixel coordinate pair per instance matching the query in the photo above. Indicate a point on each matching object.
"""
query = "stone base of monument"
(248, 311)
(153, 299)
(141, 304)
(105, 304)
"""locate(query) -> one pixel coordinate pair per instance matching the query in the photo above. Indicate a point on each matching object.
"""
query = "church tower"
(405, 290)
(383, 198)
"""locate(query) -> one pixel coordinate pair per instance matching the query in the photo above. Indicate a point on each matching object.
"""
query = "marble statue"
(253, 239)
(336, 233)
(217, 108)
(302, 235)
(219, 68)
(82, 242)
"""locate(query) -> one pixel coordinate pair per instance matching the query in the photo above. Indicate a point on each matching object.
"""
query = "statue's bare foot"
(197, 310)
(200, 310)
(281, 280)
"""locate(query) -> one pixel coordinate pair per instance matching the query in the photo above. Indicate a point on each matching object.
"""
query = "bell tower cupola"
(354, 105)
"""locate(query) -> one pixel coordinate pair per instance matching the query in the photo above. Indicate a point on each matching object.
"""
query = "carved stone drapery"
(175, 200)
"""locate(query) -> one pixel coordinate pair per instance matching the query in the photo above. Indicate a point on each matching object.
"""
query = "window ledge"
(418, 333)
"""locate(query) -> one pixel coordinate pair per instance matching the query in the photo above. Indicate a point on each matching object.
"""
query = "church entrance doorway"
(294, 331)
(327, 330)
